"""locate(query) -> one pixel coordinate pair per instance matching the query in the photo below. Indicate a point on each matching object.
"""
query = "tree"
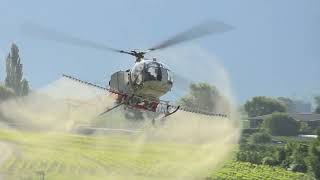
(205, 97)
(24, 87)
(260, 137)
(280, 124)
(14, 72)
(281, 155)
(262, 105)
(298, 158)
(315, 156)
(289, 103)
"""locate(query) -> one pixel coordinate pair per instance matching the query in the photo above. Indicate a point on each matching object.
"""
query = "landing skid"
(110, 109)
(168, 113)
(162, 119)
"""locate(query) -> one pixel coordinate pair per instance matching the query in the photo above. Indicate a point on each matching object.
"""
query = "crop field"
(66, 156)
(244, 170)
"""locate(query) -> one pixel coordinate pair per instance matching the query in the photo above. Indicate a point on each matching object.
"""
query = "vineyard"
(66, 156)
(243, 170)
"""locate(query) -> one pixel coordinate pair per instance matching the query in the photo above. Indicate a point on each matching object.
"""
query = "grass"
(68, 156)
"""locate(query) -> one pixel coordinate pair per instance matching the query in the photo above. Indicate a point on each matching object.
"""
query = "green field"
(244, 170)
(66, 156)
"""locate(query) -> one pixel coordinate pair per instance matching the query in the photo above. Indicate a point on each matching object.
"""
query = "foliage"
(293, 155)
(280, 124)
(262, 105)
(6, 93)
(244, 170)
(250, 131)
(14, 73)
(298, 167)
(305, 128)
(24, 87)
(298, 158)
(205, 97)
(293, 139)
(315, 156)
(294, 105)
(281, 155)
(261, 137)
(289, 103)
(254, 153)
(269, 161)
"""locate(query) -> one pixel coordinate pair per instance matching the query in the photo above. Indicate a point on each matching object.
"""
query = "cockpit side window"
(170, 76)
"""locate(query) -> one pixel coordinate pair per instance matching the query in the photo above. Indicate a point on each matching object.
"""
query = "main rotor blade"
(45, 33)
(204, 29)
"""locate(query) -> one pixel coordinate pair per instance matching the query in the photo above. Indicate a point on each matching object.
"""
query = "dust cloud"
(207, 141)
(57, 107)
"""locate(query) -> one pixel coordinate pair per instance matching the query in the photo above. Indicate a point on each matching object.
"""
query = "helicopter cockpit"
(152, 72)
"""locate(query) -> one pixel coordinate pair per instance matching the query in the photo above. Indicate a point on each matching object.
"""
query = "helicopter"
(142, 86)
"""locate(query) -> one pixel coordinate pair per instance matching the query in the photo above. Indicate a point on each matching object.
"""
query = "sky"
(273, 50)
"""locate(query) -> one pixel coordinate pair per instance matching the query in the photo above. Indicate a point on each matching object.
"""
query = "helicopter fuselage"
(149, 79)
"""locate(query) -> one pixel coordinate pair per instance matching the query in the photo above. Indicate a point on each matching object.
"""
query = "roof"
(295, 116)
(305, 116)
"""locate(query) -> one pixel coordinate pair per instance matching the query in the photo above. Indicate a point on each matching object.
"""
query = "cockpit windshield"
(151, 71)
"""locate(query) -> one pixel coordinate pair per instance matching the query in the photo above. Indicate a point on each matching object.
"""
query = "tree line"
(278, 122)
(274, 142)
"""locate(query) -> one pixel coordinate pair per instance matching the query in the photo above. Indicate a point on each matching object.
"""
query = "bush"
(315, 156)
(262, 137)
(281, 155)
(298, 167)
(250, 130)
(254, 153)
(249, 156)
(280, 124)
(269, 161)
